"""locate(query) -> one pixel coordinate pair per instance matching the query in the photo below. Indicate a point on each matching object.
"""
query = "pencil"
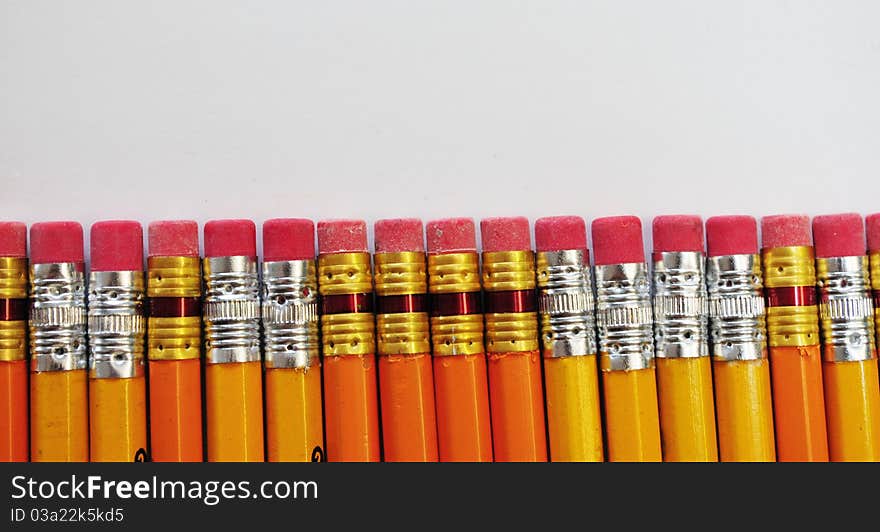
(13, 343)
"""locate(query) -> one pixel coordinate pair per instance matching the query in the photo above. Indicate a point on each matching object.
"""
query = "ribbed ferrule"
(736, 307)
(231, 310)
(791, 319)
(58, 317)
(846, 309)
(680, 305)
(351, 331)
(456, 276)
(565, 303)
(116, 324)
(401, 322)
(511, 276)
(290, 314)
(624, 318)
(13, 308)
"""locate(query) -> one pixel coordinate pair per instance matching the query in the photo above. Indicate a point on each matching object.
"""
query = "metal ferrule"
(13, 328)
(624, 318)
(231, 311)
(58, 317)
(565, 303)
(681, 312)
(791, 325)
(846, 309)
(173, 337)
(455, 273)
(346, 333)
(510, 332)
(290, 314)
(736, 307)
(874, 260)
(398, 275)
(116, 324)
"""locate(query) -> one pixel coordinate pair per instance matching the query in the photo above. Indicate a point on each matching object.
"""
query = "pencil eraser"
(451, 235)
(617, 240)
(53, 242)
(557, 233)
(342, 236)
(13, 239)
(230, 238)
(288, 239)
(173, 238)
(677, 233)
(117, 245)
(732, 235)
(872, 224)
(399, 235)
(839, 235)
(506, 234)
(785, 230)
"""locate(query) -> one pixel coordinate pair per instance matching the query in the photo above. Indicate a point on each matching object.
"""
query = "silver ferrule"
(57, 317)
(231, 313)
(565, 303)
(680, 307)
(290, 314)
(845, 309)
(624, 317)
(736, 307)
(116, 324)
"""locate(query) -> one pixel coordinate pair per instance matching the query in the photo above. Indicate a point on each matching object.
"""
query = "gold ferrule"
(508, 270)
(400, 273)
(793, 326)
(13, 340)
(174, 338)
(874, 265)
(344, 273)
(174, 277)
(348, 334)
(789, 266)
(457, 335)
(512, 332)
(454, 272)
(13, 277)
(406, 333)
(784, 267)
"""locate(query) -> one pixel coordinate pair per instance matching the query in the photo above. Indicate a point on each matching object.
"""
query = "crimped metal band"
(874, 261)
(454, 273)
(680, 306)
(624, 318)
(57, 317)
(13, 277)
(231, 310)
(736, 307)
(565, 303)
(845, 309)
(290, 314)
(116, 324)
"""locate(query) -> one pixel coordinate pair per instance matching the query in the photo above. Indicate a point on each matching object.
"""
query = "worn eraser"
(732, 235)
(505, 234)
(872, 224)
(173, 238)
(13, 239)
(342, 236)
(617, 240)
(398, 235)
(230, 238)
(678, 232)
(558, 233)
(785, 230)
(117, 245)
(839, 235)
(451, 235)
(288, 239)
(56, 242)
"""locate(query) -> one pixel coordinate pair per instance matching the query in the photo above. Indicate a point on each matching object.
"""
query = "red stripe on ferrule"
(13, 309)
(174, 307)
(508, 301)
(876, 299)
(456, 304)
(347, 304)
(791, 296)
(399, 304)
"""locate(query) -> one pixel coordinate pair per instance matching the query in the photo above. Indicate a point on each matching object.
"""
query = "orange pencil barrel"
(13, 411)
(462, 396)
(13, 347)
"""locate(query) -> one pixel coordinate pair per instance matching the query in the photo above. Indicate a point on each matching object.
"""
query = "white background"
(206, 109)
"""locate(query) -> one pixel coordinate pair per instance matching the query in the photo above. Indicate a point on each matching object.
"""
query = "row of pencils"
(425, 350)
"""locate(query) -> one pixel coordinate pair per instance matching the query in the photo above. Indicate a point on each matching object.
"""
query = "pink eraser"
(557, 233)
(13, 239)
(785, 230)
(872, 222)
(173, 238)
(288, 239)
(732, 235)
(451, 235)
(679, 232)
(398, 235)
(56, 242)
(617, 240)
(839, 235)
(117, 245)
(506, 234)
(342, 236)
(230, 238)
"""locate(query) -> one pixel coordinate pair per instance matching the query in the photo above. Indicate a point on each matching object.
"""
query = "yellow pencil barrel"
(118, 412)
(745, 419)
(632, 416)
